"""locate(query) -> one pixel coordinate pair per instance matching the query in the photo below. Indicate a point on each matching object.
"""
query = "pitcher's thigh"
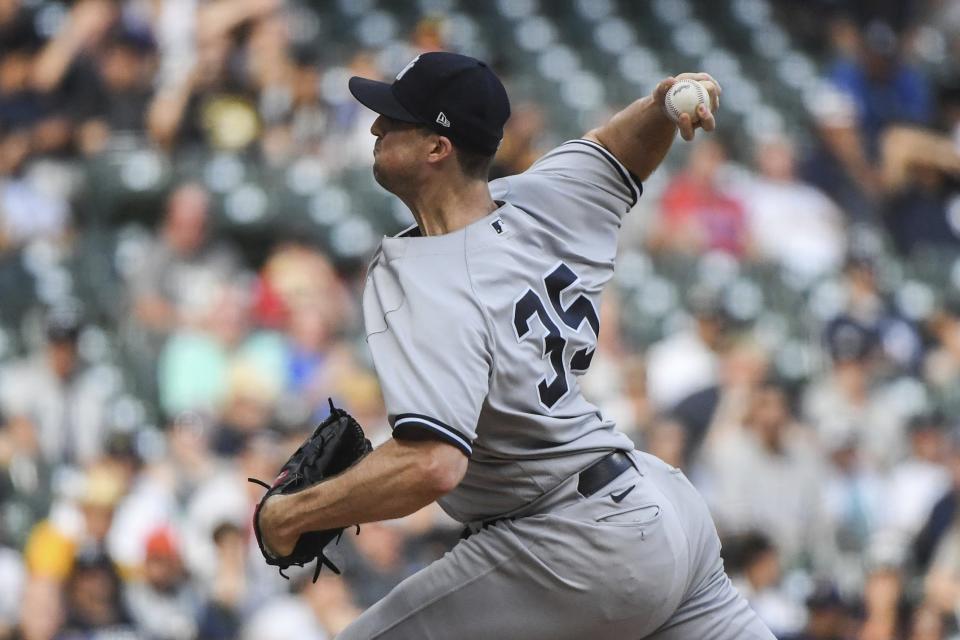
(488, 587)
(716, 612)
(541, 578)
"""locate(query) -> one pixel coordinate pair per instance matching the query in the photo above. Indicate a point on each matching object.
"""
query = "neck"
(447, 206)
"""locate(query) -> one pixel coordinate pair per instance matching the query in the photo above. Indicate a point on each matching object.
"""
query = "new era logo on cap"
(443, 120)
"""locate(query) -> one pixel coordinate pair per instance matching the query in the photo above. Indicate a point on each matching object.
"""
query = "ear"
(442, 148)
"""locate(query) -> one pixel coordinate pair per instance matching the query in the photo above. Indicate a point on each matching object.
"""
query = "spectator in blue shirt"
(885, 89)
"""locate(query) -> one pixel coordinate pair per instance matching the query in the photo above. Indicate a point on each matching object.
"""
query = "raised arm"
(640, 135)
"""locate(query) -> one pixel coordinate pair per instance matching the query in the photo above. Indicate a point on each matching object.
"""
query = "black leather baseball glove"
(336, 445)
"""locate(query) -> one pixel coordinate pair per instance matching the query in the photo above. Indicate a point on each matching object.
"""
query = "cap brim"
(378, 96)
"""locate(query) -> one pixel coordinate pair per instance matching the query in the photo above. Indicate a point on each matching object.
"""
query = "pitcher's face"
(399, 152)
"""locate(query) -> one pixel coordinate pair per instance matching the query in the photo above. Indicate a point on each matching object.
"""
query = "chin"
(382, 178)
(378, 176)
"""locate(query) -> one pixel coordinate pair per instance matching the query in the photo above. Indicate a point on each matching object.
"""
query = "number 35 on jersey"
(555, 322)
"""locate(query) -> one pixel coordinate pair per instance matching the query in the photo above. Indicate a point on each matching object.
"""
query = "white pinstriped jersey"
(479, 336)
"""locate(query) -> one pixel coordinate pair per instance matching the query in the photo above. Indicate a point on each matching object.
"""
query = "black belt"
(592, 479)
(600, 473)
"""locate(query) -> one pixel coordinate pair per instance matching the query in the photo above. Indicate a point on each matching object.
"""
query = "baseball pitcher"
(480, 319)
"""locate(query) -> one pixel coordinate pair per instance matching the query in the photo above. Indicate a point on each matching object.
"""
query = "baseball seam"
(672, 108)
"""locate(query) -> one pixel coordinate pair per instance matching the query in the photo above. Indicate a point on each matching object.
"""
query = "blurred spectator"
(25, 480)
(19, 106)
(942, 363)
(943, 578)
(913, 488)
(521, 137)
(66, 73)
(183, 264)
(199, 362)
(148, 503)
(379, 563)
(898, 347)
(687, 361)
(301, 296)
(617, 379)
(315, 611)
(220, 615)
(332, 603)
(219, 507)
(885, 89)
(95, 607)
(350, 143)
(937, 545)
(296, 120)
(666, 438)
(921, 177)
(927, 624)
(12, 577)
(854, 500)
(246, 411)
(696, 213)
(828, 617)
(767, 476)
(942, 515)
(852, 400)
(754, 567)
(163, 603)
(77, 525)
(711, 414)
(126, 67)
(213, 103)
(836, 162)
(882, 597)
(792, 224)
(29, 207)
(41, 611)
(56, 398)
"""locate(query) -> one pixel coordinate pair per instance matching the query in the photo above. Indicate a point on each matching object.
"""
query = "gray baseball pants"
(647, 567)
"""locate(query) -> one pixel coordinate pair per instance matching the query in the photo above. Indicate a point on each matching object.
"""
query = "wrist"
(659, 107)
(288, 517)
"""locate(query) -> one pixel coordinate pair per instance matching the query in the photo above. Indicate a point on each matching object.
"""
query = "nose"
(377, 127)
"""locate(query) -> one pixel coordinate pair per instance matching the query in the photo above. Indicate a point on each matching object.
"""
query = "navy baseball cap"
(457, 96)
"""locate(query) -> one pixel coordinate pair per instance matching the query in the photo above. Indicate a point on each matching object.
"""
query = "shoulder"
(578, 161)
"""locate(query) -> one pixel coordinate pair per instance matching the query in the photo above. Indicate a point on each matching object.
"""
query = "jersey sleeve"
(579, 191)
(434, 368)
(581, 168)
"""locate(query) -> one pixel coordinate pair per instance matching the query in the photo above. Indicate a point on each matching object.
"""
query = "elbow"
(442, 469)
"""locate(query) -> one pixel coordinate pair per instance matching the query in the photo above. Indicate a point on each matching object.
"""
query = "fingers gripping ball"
(685, 96)
(337, 444)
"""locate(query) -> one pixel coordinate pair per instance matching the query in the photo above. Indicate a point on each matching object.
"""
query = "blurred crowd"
(833, 473)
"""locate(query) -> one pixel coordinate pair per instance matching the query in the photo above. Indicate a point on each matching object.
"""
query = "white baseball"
(684, 97)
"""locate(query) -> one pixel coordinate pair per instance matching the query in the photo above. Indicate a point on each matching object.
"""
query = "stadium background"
(186, 207)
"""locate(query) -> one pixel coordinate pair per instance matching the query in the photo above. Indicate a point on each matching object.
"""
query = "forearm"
(639, 136)
(395, 480)
(53, 61)
(904, 149)
(165, 113)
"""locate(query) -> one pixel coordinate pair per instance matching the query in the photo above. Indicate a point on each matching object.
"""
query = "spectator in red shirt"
(696, 215)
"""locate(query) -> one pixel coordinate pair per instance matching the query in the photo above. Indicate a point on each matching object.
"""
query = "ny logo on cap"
(443, 120)
(407, 68)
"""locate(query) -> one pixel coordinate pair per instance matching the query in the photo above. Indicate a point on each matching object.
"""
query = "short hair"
(474, 164)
